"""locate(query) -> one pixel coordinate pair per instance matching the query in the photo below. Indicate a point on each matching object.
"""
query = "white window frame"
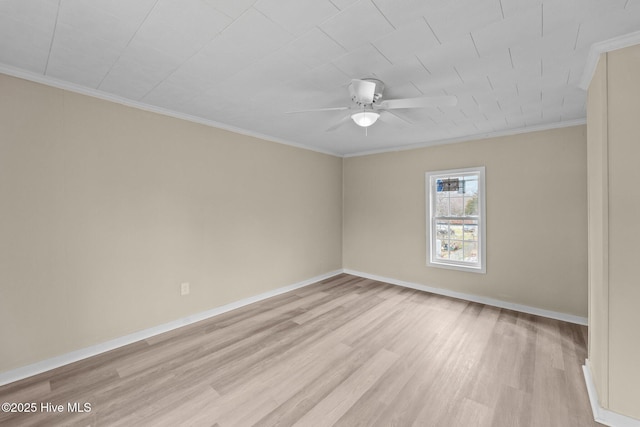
(430, 184)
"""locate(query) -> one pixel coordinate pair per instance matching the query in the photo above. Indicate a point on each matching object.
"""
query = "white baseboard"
(475, 298)
(74, 356)
(601, 415)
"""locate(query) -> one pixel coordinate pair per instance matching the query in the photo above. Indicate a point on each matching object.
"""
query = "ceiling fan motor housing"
(377, 95)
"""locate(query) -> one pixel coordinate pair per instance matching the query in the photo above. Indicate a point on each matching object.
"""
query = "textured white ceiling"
(513, 64)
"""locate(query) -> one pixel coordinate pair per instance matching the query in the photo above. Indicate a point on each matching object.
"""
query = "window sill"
(468, 269)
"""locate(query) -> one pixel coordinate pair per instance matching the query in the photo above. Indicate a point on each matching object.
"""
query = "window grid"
(456, 210)
(464, 227)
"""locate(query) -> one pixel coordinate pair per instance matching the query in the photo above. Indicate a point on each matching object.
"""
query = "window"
(456, 219)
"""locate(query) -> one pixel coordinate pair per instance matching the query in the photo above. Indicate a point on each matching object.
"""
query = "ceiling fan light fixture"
(365, 118)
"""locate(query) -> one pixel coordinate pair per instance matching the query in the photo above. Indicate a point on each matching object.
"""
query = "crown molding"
(605, 46)
(595, 51)
(95, 93)
(474, 137)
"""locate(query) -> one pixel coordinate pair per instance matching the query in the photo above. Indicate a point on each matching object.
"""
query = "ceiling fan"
(369, 105)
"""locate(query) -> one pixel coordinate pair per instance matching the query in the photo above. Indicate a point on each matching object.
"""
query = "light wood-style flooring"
(343, 352)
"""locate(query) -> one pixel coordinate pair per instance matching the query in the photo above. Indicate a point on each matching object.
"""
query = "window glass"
(456, 219)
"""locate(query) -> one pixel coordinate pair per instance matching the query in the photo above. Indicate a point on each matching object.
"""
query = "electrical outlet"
(184, 289)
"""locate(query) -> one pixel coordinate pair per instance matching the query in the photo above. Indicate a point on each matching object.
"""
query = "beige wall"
(614, 102)
(106, 209)
(536, 217)
(624, 206)
(597, 163)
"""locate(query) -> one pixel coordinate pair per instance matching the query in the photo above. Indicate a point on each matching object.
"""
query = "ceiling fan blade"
(338, 124)
(393, 118)
(318, 109)
(363, 90)
(426, 101)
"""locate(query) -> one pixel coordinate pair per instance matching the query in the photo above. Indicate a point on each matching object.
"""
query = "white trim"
(74, 356)
(474, 137)
(481, 265)
(475, 298)
(71, 87)
(601, 415)
(95, 93)
(605, 46)
(592, 60)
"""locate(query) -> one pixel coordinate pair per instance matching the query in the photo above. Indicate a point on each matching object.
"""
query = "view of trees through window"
(456, 218)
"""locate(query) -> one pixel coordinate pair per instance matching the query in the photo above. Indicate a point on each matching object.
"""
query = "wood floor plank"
(331, 408)
(512, 408)
(346, 351)
(282, 383)
(293, 408)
